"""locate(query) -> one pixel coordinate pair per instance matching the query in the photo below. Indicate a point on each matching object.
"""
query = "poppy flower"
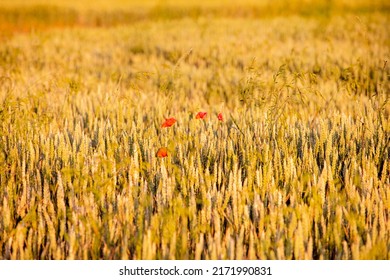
(168, 122)
(220, 117)
(201, 115)
(162, 152)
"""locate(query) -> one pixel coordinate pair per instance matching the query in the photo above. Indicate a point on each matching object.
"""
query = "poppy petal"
(162, 152)
(168, 122)
(201, 115)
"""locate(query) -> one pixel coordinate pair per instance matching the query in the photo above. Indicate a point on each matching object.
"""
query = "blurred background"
(26, 16)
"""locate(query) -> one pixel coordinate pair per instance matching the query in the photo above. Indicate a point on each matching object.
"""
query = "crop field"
(106, 151)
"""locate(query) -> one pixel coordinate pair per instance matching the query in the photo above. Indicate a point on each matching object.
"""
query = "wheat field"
(290, 162)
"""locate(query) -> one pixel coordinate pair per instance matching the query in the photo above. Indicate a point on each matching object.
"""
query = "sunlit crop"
(195, 131)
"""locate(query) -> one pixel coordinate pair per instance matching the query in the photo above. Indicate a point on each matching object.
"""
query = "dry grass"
(298, 169)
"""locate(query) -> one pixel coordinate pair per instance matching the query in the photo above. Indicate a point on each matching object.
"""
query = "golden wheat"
(297, 169)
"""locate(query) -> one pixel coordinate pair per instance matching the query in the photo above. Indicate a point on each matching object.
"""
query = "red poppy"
(168, 122)
(220, 117)
(201, 115)
(162, 152)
